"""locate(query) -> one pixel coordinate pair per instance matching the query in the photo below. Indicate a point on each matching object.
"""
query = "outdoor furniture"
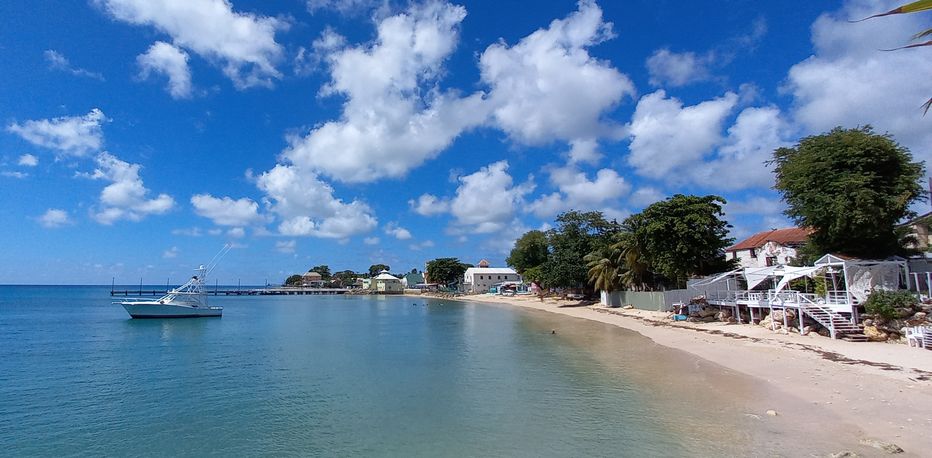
(919, 336)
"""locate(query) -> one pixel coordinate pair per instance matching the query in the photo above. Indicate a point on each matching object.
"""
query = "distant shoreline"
(883, 390)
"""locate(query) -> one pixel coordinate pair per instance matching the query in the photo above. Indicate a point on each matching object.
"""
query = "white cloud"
(170, 61)
(286, 246)
(394, 118)
(547, 87)
(236, 232)
(125, 198)
(346, 6)
(171, 253)
(371, 240)
(666, 136)
(28, 160)
(420, 246)
(740, 162)
(645, 196)
(850, 82)
(307, 206)
(215, 231)
(226, 211)
(242, 43)
(54, 218)
(188, 232)
(429, 205)
(58, 61)
(17, 175)
(677, 69)
(487, 201)
(394, 230)
(577, 191)
(70, 135)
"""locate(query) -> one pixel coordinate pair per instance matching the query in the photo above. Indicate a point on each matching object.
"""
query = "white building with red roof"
(769, 248)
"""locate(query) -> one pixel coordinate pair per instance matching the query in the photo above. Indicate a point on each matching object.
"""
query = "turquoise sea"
(340, 376)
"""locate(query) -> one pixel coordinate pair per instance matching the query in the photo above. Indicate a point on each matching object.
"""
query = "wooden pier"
(139, 292)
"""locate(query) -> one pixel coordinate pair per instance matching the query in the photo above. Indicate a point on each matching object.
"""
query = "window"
(771, 261)
(754, 253)
(734, 255)
(480, 277)
(499, 277)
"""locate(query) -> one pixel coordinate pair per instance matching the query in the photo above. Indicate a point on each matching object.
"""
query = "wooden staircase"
(838, 326)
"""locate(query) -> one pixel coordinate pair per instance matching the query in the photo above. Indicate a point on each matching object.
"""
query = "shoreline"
(882, 389)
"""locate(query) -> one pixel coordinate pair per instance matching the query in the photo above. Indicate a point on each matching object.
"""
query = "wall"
(658, 301)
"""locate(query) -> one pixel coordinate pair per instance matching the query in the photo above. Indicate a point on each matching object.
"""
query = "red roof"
(787, 236)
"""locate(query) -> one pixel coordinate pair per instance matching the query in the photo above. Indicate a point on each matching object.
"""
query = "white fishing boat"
(186, 301)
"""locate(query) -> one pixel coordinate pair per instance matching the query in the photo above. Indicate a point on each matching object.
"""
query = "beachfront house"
(482, 278)
(412, 279)
(386, 283)
(312, 279)
(775, 247)
(919, 226)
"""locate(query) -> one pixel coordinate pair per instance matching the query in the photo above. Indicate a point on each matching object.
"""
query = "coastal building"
(412, 279)
(481, 278)
(386, 283)
(774, 247)
(919, 226)
(312, 279)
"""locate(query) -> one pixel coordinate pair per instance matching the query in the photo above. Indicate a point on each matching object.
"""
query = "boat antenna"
(217, 257)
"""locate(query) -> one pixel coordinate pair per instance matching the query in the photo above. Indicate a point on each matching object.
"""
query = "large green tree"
(852, 187)
(681, 236)
(530, 251)
(376, 268)
(323, 270)
(293, 280)
(446, 271)
(576, 235)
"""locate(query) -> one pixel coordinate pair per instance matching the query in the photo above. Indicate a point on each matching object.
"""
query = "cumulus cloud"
(666, 136)
(645, 196)
(394, 117)
(236, 232)
(678, 69)
(487, 200)
(58, 61)
(170, 61)
(286, 246)
(126, 197)
(188, 232)
(243, 44)
(577, 191)
(225, 211)
(371, 240)
(14, 174)
(547, 87)
(346, 6)
(394, 230)
(69, 135)
(28, 160)
(53, 218)
(849, 82)
(307, 206)
(429, 205)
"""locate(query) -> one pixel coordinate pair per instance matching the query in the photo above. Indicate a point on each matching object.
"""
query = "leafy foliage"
(576, 235)
(885, 303)
(680, 236)
(376, 268)
(852, 187)
(323, 270)
(446, 271)
(293, 280)
(530, 251)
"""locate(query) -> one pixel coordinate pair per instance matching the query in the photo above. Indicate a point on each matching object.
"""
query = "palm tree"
(636, 272)
(604, 268)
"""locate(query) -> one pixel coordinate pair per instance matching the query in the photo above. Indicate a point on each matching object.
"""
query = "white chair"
(918, 336)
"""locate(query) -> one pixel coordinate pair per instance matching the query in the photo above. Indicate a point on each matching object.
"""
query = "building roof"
(385, 277)
(312, 274)
(786, 236)
(491, 270)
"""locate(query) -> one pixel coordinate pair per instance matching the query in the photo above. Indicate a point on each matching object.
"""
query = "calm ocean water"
(308, 375)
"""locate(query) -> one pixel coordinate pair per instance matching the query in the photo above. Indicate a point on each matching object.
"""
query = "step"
(854, 337)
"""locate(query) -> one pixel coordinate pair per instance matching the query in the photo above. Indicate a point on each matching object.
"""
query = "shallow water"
(335, 375)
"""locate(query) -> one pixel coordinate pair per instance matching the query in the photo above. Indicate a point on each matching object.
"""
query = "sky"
(140, 136)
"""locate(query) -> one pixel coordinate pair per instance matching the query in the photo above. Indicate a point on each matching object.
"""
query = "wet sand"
(828, 394)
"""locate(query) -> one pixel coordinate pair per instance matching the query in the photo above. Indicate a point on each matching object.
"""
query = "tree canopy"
(530, 251)
(575, 235)
(293, 280)
(376, 268)
(323, 270)
(852, 187)
(446, 271)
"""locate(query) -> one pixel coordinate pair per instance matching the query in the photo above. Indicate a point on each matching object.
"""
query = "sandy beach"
(876, 391)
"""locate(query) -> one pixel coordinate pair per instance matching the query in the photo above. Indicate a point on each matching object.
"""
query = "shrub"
(885, 303)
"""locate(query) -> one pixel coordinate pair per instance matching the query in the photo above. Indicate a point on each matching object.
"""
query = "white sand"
(884, 390)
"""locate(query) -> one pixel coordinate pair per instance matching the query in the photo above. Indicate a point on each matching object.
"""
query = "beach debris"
(772, 413)
(752, 415)
(628, 307)
(881, 445)
(844, 454)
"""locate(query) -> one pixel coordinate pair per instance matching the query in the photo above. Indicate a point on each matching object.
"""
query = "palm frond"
(920, 5)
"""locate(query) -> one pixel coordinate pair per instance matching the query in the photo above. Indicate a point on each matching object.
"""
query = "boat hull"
(156, 310)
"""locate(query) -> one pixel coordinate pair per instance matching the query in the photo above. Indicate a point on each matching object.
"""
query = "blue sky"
(139, 136)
